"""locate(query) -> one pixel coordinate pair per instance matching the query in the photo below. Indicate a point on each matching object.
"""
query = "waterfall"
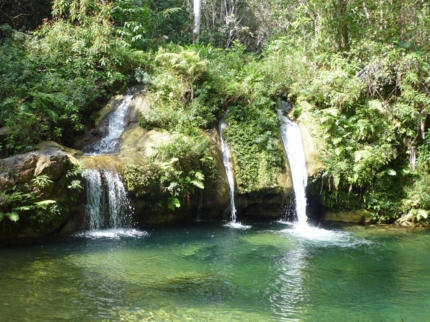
(106, 184)
(95, 198)
(226, 159)
(118, 202)
(99, 185)
(110, 143)
(293, 146)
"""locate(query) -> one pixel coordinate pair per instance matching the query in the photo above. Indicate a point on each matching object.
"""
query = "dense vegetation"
(362, 64)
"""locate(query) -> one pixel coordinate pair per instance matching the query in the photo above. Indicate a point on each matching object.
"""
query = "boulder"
(20, 171)
(139, 144)
(23, 168)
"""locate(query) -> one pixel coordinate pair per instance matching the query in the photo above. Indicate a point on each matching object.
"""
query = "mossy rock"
(138, 144)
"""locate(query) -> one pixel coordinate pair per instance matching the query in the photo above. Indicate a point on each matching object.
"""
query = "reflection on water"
(205, 272)
(289, 301)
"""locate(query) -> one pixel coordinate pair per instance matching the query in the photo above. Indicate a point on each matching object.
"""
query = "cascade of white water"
(95, 198)
(117, 197)
(118, 202)
(226, 158)
(293, 145)
(110, 143)
(98, 186)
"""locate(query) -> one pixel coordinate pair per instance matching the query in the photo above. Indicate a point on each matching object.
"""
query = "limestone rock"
(138, 145)
(217, 196)
(313, 143)
(21, 169)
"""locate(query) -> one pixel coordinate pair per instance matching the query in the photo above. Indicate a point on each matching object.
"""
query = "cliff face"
(52, 165)
(139, 147)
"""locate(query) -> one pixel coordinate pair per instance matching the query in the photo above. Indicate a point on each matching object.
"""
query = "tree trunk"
(197, 16)
(343, 39)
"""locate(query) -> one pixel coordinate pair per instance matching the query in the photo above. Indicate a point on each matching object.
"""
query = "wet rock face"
(271, 205)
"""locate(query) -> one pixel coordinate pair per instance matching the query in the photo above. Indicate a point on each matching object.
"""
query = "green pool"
(208, 272)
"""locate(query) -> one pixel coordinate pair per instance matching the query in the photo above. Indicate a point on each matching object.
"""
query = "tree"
(197, 16)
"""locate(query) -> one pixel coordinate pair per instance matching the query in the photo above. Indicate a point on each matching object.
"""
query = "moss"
(253, 138)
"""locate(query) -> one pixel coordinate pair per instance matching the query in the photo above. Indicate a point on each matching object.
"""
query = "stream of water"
(106, 185)
(293, 146)
(227, 160)
(111, 142)
(204, 272)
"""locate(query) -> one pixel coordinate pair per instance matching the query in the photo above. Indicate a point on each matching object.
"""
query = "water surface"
(208, 272)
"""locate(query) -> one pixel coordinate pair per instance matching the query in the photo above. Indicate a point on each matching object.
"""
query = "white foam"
(324, 237)
(113, 234)
(236, 225)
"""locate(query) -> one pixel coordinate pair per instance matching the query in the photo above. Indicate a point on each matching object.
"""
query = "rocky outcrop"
(38, 176)
(139, 145)
(21, 169)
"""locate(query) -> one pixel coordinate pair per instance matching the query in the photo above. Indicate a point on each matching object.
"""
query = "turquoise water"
(207, 272)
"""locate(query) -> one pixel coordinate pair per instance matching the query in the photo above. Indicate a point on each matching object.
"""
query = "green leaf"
(376, 104)
(336, 141)
(173, 202)
(13, 216)
(198, 184)
(44, 204)
(391, 172)
(338, 151)
(22, 208)
(200, 176)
